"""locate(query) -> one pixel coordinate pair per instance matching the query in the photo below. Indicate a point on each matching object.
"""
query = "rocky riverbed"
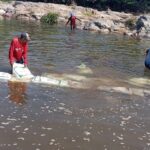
(91, 19)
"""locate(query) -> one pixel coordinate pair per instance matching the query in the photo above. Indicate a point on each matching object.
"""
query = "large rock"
(104, 24)
(2, 12)
(5, 6)
(91, 26)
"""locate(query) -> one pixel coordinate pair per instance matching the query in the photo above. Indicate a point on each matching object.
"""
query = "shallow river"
(45, 117)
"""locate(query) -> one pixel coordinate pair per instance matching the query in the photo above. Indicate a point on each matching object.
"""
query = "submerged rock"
(83, 69)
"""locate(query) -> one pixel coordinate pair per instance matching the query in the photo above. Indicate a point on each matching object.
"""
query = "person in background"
(147, 59)
(18, 49)
(140, 24)
(72, 20)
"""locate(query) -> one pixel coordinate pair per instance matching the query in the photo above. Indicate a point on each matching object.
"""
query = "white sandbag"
(64, 83)
(124, 90)
(21, 72)
(139, 81)
(5, 76)
(50, 81)
(40, 79)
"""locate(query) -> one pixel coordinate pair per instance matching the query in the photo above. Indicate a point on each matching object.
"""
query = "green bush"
(130, 23)
(50, 18)
(88, 13)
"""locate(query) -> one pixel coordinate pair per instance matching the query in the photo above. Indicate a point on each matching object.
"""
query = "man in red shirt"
(72, 20)
(18, 49)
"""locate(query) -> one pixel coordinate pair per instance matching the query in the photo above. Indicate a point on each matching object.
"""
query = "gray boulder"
(91, 26)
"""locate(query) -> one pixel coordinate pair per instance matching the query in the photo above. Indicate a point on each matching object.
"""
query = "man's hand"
(25, 65)
(12, 64)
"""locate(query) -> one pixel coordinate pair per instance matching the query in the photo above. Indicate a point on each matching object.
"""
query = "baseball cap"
(25, 36)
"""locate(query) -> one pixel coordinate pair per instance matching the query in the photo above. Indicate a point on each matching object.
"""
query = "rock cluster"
(93, 20)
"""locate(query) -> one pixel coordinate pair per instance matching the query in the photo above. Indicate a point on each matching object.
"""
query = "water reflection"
(17, 92)
(71, 41)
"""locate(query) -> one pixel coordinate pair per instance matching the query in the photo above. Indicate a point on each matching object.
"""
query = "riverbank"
(91, 19)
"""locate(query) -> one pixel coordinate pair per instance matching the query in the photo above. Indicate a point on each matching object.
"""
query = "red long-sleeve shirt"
(18, 51)
(73, 20)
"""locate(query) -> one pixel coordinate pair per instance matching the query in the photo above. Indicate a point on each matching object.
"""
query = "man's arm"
(68, 21)
(25, 55)
(146, 51)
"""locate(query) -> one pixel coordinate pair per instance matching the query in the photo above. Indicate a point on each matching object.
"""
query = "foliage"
(50, 18)
(88, 13)
(130, 23)
(117, 5)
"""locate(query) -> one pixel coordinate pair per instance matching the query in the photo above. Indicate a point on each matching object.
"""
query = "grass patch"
(89, 14)
(130, 23)
(50, 18)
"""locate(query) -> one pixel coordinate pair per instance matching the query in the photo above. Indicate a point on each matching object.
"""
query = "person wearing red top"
(72, 20)
(18, 49)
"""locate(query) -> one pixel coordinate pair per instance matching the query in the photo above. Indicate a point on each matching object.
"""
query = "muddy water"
(41, 117)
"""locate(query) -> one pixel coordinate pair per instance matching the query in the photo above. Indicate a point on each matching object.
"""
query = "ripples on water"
(42, 117)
